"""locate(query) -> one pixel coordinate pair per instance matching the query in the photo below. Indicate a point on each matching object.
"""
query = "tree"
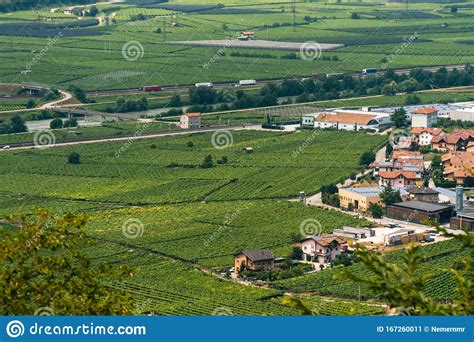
(354, 15)
(190, 144)
(56, 123)
(42, 266)
(389, 195)
(93, 11)
(412, 99)
(79, 93)
(207, 162)
(296, 253)
(175, 101)
(74, 158)
(366, 158)
(454, 9)
(72, 122)
(17, 125)
(401, 284)
(399, 117)
(158, 30)
(376, 210)
(30, 104)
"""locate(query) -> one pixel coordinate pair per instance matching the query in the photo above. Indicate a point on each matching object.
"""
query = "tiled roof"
(448, 138)
(433, 131)
(398, 154)
(425, 110)
(326, 240)
(192, 114)
(345, 118)
(396, 174)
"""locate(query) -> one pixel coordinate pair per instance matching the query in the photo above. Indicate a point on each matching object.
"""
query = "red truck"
(151, 88)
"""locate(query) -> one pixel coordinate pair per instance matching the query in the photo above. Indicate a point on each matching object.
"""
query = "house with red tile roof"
(458, 166)
(424, 135)
(398, 178)
(424, 117)
(322, 249)
(448, 142)
(190, 120)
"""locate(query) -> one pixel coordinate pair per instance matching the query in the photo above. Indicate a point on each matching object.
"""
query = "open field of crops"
(380, 32)
(439, 258)
(155, 171)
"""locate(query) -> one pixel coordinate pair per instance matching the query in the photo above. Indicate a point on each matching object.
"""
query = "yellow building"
(360, 198)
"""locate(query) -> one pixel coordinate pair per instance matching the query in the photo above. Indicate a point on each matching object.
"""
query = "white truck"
(204, 84)
(247, 82)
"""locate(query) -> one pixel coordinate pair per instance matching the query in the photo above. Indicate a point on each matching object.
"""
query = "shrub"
(74, 158)
(56, 123)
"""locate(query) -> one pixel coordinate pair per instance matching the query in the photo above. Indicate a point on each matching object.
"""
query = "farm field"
(154, 171)
(99, 63)
(177, 208)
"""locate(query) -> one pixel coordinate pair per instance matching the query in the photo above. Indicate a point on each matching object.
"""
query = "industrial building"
(418, 212)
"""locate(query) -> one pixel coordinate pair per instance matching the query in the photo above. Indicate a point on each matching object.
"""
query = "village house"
(351, 121)
(424, 117)
(458, 166)
(424, 135)
(322, 249)
(397, 178)
(190, 120)
(448, 142)
(254, 260)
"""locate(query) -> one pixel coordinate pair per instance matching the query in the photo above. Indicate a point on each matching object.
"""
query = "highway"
(185, 87)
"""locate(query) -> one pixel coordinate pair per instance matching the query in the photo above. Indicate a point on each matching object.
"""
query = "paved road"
(135, 137)
(48, 105)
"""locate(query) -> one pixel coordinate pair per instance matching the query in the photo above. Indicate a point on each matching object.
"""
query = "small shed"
(247, 150)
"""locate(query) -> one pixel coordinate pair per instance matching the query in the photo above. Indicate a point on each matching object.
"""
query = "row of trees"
(15, 125)
(334, 87)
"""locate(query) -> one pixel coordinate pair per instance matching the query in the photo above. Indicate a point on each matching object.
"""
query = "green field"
(98, 62)
(146, 175)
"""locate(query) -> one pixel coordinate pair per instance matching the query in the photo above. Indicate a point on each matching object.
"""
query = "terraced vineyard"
(167, 171)
(438, 257)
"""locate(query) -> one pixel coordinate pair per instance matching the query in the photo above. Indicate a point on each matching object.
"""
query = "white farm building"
(348, 120)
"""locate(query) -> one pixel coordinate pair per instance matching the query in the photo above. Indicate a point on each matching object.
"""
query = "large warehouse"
(417, 212)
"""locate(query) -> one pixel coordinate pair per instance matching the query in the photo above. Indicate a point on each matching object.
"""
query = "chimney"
(459, 198)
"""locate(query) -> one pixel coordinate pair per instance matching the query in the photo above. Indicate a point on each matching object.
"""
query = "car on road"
(6, 147)
(392, 225)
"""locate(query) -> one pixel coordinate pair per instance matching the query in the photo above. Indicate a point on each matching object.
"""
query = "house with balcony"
(322, 249)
